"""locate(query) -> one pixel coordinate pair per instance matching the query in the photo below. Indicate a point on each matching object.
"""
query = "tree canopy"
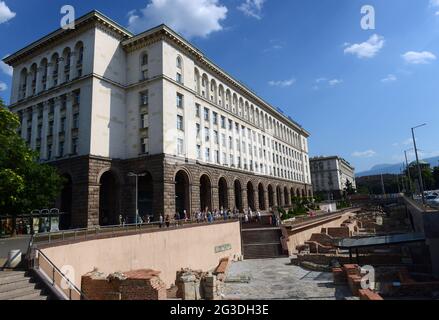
(25, 184)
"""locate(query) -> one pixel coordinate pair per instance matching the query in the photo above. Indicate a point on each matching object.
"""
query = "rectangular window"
(198, 152)
(50, 128)
(206, 114)
(230, 143)
(207, 155)
(215, 136)
(179, 78)
(197, 110)
(74, 145)
(217, 160)
(215, 118)
(232, 163)
(224, 158)
(143, 145)
(223, 122)
(180, 100)
(63, 125)
(49, 152)
(206, 134)
(180, 125)
(61, 149)
(76, 121)
(223, 140)
(230, 124)
(144, 98)
(198, 127)
(144, 120)
(180, 147)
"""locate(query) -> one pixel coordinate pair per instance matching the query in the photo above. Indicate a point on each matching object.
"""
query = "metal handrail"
(55, 269)
(113, 230)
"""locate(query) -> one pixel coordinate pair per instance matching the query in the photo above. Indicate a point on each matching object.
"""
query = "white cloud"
(5, 13)
(252, 8)
(3, 86)
(437, 13)
(335, 82)
(368, 49)
(6, 69)
(414, 57)
(191, 18)
(364, 154)
(434, 3)
(389, 78)
(321, 80)
(282, 83)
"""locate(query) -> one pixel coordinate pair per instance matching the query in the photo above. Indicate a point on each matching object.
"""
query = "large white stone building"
(329, 176)
(99, 102)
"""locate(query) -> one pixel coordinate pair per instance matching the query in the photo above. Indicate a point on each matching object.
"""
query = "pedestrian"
(161, 221)
(167, 221)
(259, 216)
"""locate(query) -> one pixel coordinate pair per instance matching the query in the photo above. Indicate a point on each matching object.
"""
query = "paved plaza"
(277, 279)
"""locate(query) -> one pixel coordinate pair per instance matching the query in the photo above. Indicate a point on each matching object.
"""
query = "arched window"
(144, 59)
(79, 50)
(179, 74)
(143, 66)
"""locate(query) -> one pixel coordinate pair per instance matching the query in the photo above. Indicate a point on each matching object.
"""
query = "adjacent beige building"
(99, 103)
(329, 176)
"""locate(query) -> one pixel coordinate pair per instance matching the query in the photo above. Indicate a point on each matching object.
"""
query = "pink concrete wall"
(167, 251)
(294, 238)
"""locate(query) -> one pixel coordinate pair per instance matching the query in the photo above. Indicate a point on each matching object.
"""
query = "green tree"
(349, 189)
(25, 184)
(436, 177)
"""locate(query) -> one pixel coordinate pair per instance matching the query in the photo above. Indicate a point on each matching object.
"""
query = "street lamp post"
(408, 171)
(421, 182)
(132, 174)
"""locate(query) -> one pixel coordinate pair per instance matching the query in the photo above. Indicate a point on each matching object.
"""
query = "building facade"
(329, 176)
(100, 104)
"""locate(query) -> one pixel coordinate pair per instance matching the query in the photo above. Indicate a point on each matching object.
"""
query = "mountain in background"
(393, 168)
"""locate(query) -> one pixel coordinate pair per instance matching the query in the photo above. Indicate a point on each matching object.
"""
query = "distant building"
(329, 176)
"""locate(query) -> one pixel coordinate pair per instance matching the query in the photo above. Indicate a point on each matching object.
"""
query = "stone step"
(12, 277)
(17, 293)
(17, 284)
(263, 251)
(5, 274)
(34, 296)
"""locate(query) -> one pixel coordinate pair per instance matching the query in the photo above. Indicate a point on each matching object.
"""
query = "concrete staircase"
(261, 241)
(19, 285)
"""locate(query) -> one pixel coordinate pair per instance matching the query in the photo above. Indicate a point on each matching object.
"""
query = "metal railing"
(116, 230)
(59, 281)
(320, 217)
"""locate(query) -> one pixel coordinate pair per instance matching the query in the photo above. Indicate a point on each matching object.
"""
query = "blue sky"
(357, 91)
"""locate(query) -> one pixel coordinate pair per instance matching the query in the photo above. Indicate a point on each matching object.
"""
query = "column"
(43, 154)
(33, 141)
(244, 198)
(275, 204)
(69, 124)
(256, 198)
(73, 73)
(231, 198)
(28, 92)
(24, 124)
(61, 73)
(215, 197)
(49, 80)
(195, 196)
(39, 84)
(266, 200)
(56, 127)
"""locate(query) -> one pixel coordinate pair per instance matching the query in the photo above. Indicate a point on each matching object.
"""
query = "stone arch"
(286, 197)
(182, 192)
(223, 193)
(261, 196)
(109, 198)
(279, 197)
(66, 201)
(270, 196)
(251, 196)
(238, 194)
(205, 192)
